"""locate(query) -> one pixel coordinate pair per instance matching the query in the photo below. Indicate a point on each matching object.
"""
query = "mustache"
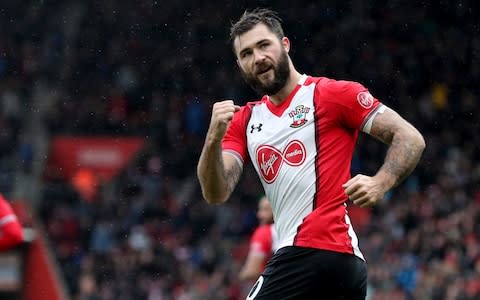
(261, 68)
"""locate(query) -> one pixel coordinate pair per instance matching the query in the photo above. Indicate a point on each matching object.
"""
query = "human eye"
(264, 45)
(246, 54)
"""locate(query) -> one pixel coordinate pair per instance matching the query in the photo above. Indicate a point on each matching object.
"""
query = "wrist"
(213, 140)
(387, 180)
(213, 137)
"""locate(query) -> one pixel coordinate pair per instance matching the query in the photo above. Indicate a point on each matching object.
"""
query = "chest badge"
(299, 116)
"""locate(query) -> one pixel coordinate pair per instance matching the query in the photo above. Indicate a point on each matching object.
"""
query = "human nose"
(258, 55)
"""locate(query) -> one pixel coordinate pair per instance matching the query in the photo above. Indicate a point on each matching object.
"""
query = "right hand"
(365, 191)
(222, 114)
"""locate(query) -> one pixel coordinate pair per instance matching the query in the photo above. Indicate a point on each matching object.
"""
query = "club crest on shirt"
(365, 99)
(299, 116)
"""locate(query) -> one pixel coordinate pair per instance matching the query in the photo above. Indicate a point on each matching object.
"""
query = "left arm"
(252, 268)
(406, 146)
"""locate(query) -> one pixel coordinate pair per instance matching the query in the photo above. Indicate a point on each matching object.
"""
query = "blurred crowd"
(15, 95)
(149, 69)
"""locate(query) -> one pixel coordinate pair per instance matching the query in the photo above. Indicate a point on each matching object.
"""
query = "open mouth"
(263, 70)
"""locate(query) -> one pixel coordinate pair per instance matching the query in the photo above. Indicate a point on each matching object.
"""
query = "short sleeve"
(353, 102)
(261, 241)
(235, 139)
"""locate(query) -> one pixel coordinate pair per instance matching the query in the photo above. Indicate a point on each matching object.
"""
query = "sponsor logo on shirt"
(299, 116)
(270, 159)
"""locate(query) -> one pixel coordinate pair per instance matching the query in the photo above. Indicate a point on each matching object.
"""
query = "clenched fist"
(222, 114)
(365, 191)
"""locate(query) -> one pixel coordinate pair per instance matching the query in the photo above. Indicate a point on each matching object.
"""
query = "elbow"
(414, 139)
(420, 141)
(423, 145)
(212, 193)
(213, 198)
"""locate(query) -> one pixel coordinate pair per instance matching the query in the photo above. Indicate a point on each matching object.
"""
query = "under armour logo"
(258, 128)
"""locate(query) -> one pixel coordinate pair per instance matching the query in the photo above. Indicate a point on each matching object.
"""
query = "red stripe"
(280, 108)
(329, 234)
(319, 150)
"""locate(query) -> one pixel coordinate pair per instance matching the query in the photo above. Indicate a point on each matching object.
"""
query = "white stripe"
(7, 219)
(368, 125)
(302, 79)
(353, 236)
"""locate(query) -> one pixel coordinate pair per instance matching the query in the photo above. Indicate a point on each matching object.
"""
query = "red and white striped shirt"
(302, 151)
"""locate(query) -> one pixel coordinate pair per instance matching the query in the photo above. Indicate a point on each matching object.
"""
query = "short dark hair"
(257, 16)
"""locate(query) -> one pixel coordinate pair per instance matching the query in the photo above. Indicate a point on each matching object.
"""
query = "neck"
(287, 89)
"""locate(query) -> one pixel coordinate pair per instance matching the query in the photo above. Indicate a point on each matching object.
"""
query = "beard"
(281, 72)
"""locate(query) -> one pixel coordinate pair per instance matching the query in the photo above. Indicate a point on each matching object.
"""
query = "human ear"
(286, 43)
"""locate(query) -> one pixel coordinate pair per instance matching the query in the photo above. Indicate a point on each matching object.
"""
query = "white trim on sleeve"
(368, 124)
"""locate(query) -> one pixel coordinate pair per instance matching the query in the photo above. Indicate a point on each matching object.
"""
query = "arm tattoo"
(384, 134)
(402, 157)
(406, 144)
(232, 176)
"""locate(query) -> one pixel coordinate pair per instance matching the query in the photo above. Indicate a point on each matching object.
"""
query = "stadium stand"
(149, 71)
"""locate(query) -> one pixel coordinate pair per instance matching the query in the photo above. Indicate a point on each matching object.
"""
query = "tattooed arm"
(406, 146)
(217, 171)
(218, 174)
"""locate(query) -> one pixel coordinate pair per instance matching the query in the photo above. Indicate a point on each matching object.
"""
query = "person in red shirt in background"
(11, 233)
(262, 243)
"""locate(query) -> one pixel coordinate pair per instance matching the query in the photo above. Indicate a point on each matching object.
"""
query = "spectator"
(11, 234)
(262, 243)
(422, 59)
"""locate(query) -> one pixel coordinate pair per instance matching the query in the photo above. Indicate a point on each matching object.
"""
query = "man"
(262, 243)
(10, 228)
(300, 138)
